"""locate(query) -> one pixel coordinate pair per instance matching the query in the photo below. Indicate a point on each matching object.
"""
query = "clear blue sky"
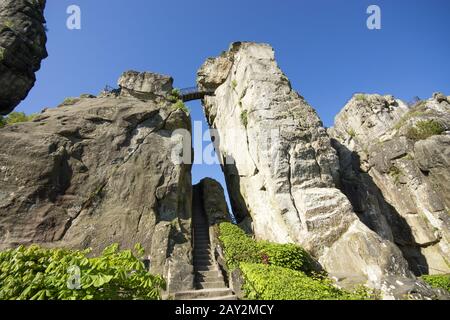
(324, 47)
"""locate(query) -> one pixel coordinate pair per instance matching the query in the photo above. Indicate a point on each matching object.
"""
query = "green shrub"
(351, 132)
(424, 129)
(234, 84)
(238, 246)
(267, 282)
(438, 281)
(360, 97)
(48, 274)
(396, 173)
(175, 95)
(288, 256)
(16, 117)
(179, 105)
(244, 118)
(69, 101)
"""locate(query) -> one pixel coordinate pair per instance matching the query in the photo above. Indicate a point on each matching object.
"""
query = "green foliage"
(9, 24)
(69, 101)
(234, 84)
(244, 118)
(395, 173)
(48, 274)
(288, 256)
(239, 247)
(361, 97)
(268, 282)
(16, 117)
(417, 110)
(351, 132)
(175, 95)
(425, 129)
(438, 281)
(179, 105)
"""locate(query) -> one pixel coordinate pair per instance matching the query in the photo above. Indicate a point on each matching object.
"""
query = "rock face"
(22, 48)
(281, 169)
(99, 172)
(214, 203)
(396, 176)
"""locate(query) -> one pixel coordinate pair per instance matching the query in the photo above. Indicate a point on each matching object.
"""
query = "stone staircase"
(208, 280)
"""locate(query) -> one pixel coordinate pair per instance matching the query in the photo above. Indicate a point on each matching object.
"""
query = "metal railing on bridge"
(193, 93)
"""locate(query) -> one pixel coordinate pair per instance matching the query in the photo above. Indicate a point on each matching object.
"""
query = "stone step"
(206, 268)
(219, 298)
(202, 251)
(210, 285)
(204, 246)
(203, 260)
(203, 294)
(206, 273)
(201, 236)
(202, 256)
(216, 278)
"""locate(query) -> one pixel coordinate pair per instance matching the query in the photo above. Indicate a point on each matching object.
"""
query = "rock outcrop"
(281, 169)
(22, 48)
(97, 171)
(395, 168)
(214, 203)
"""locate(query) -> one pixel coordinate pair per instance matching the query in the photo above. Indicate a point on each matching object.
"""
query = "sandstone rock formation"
(397, 180)
(22, 47)
(98, 172)
(214, 203)
(281, 169)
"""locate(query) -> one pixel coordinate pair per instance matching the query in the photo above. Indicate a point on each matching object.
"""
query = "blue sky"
(324, 47)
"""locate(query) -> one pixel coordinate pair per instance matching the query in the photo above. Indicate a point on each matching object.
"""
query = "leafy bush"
(424, 129)
(179, 105)
(49, 274)
(234, 84)
(266, 282)
(239, 247)
(244, 118)
(360, 97)
(69, 101)
(16, 117)
(175, 95)
(288, 256)
(351, 132)
(438, 281)
(396, 173)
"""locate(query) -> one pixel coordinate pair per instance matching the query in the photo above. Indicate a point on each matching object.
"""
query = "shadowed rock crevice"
(374, 211)
(395, 170)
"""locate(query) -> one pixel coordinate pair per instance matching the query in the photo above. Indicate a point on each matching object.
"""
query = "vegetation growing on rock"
(179, 105)
(16, 117)
(424, 129)
(438, 281)
(277, 271)
(270, 282)
(50, 274)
